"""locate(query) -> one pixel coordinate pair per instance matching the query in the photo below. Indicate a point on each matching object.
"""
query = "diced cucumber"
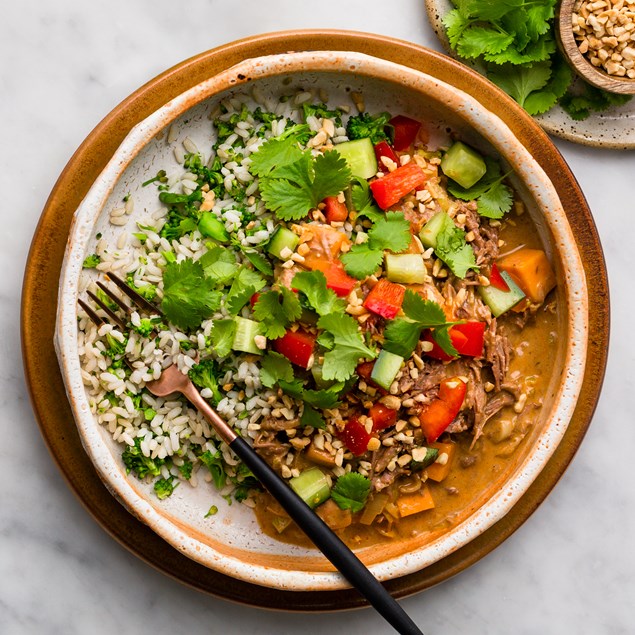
(282, 238)
(429, 459)
(430, 231)
(463, 165)
(386, 368)
(360, 156)
(246, 331)
(500, 301)
(320, 382)
(312, 486)
(406, 268)
(212, 227)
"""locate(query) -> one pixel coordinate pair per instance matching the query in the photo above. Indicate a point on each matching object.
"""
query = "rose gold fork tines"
(120, 322)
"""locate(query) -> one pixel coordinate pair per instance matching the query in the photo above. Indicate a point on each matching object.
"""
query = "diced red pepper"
(382, 416)
(385, 299)
(441, 412)
(390, 189)
(334, 210)
(355, 437)
(406, 130)
(296, 346)
(382, 149)
(254, 299)
(467, 339)
(496, 280)
(338, 280)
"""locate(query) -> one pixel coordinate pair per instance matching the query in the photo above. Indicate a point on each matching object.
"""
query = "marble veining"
(63, 67)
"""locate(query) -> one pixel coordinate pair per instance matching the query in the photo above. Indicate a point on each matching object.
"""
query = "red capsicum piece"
(334, 210)
(338, 280)
(296, 346)
(385, 298)
(253, 299)
(405, 131)
(355, 437)
(382, 416)
(467, 339)
(382, 149)
(496, 280)
(441, 412)
(390, 189)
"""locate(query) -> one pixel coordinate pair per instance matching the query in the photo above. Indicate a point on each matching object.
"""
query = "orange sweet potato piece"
(437, 471)
(531, 271)
(325, 246)
(333, 516)
(410, 504)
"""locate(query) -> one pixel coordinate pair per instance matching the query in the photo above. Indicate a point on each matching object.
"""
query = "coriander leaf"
(274, 153)
(478, 40)
(219, 265)
(401, 337)
(491, 11)
(188, 295)
(496, 201)
(292, 190)
(536, 18)
(362, 260)
(348, 349)
(259, 262)
(321, 299)
(222, 336)
(455, 252)
(535, 52)
(454, 24)
(427, 312)
(363, 201)
(312, 417)
(351, 491)
(245, 284)
(520, 82)
(294, 388)
(441, 336)
(325, 398)
(391, 232)
(275, 310)
(275, 367)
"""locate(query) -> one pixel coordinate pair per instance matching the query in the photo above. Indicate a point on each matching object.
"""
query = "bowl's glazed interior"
(231, 541)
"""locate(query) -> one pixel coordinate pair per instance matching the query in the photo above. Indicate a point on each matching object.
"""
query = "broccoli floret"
(91, 261)
(186, 469)
(164, 487)
(148, 291)
(115, 348)
(265, 117)
(204, 374)
(365, 125)
(321, 111)
(145, 327)
(214, 463)
(138, 464)
(300, 131)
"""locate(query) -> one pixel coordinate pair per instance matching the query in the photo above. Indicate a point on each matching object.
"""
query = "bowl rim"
(66, 335)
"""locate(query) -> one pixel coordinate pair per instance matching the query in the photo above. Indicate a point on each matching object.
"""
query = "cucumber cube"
(246, 331)
(500, 301)
(430, 231)
(463, 165)
(406, 268)
(360, 156)
(282, 238)
(386, 368)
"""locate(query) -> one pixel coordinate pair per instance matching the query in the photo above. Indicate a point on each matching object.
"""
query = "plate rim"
(40, 298)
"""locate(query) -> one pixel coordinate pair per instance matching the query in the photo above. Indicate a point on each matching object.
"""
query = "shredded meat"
(497, 353)
(382, 457)
(430, 376)
(485, 241)
(270, 448)
(272, 423)
(499, 401)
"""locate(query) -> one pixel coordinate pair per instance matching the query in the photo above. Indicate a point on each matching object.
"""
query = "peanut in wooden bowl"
(596, 76)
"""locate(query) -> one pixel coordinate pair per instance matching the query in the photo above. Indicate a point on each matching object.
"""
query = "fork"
(172, 381)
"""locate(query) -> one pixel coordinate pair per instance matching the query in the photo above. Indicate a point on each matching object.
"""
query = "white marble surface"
(65, 65)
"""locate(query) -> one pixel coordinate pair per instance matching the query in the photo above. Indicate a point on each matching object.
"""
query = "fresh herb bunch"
(514, 41)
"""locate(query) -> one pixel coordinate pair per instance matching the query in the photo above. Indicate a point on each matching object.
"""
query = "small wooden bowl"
(596, 76)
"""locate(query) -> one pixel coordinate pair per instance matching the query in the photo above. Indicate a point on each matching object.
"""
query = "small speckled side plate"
(40, 299)
(613, 128)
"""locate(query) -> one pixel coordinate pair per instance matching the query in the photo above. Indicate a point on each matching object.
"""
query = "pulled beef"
(463, 422)
(382, 457)
(430, 376)
(497, 353)
(496, 403)
(272, 423)
(270, 448)
(485, 241)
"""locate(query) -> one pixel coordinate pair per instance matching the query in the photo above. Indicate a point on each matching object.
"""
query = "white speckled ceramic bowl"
(231, 542)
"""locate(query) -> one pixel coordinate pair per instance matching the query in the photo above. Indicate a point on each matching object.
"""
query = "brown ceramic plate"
(40, 296)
